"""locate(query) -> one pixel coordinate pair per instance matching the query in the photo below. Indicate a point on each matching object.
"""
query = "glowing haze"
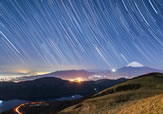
(38, 36)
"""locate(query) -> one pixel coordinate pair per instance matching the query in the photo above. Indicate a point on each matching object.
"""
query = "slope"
(127, 97)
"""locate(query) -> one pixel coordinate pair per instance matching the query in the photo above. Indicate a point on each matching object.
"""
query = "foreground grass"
(140, 95)
(150, 105)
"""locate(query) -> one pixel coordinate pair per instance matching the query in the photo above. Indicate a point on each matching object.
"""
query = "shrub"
(127, 87)
(78, 106)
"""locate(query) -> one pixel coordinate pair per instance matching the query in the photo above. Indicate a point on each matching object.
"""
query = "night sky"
(50, 35)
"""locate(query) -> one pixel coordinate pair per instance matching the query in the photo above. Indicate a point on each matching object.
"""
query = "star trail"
(50, 35)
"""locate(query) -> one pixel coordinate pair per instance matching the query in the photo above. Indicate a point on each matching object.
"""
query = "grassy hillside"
(143, 94)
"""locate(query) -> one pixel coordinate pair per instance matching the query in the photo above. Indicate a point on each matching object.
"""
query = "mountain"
(131, 70)
(71, 74)
(135, 64)
(51, 87)
(143, 94)
(64, 74)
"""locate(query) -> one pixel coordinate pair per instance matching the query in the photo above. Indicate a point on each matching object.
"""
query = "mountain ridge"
(129, 71)
(50, 87)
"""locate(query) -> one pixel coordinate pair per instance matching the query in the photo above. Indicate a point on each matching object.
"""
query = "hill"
(51, 87)
(71, 74)
(139, 95)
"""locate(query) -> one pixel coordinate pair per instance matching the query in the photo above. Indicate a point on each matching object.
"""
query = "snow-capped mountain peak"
(135, 64)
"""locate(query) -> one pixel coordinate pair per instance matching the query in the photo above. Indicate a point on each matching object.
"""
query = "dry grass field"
(151, 105)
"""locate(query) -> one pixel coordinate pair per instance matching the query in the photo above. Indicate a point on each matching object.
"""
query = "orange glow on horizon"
(42, 73)
(22, 71)
(78, 80)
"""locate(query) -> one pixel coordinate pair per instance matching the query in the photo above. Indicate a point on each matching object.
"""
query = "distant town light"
(78, 80)
(1, 101)
(113, 70)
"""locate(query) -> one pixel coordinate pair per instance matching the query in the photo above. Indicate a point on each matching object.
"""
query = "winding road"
(18, 111)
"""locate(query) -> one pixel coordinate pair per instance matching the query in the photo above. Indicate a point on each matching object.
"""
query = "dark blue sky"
(48, 35)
